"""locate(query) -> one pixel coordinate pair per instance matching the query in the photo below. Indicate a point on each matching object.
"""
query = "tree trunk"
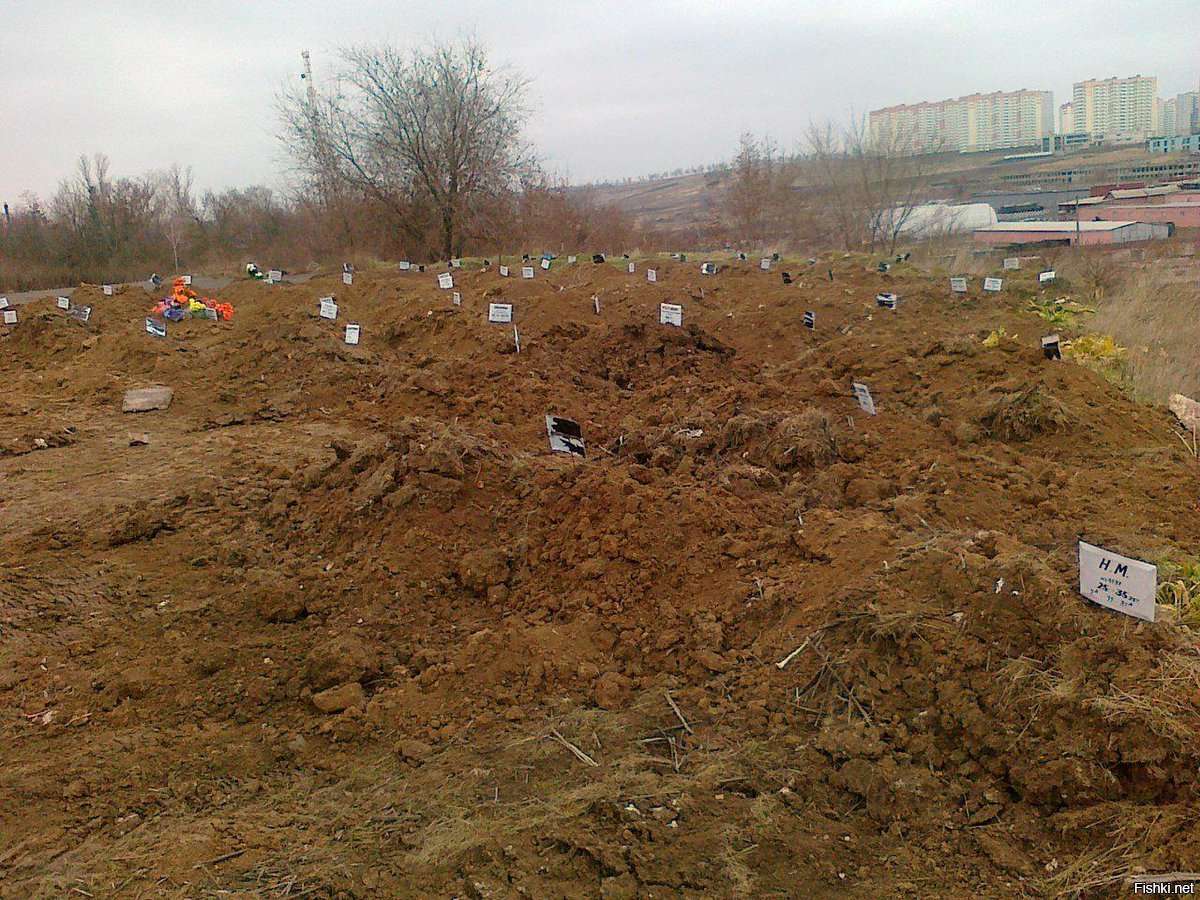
(448, 234)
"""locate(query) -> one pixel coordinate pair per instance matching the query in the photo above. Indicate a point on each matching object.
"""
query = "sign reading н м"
(1117, 582)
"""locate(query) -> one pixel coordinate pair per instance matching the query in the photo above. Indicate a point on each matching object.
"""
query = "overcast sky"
(619, 88)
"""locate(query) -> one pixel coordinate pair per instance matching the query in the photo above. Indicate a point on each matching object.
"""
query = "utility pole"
(326, 182)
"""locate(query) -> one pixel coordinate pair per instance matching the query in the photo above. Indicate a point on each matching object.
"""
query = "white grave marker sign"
(652, 276)
(1012, 263)
(156, 328)
(10, 317)
(500, 312)
(328, 308)
(670, 314)
(457, 299)
(565, 436)
(1047, 276)
(353, 332)
(958, 285)
(504, 271)
(862, 394)
(765, 264)
(3, 303)
(347, 278)
(994, 285)
(546, 264)
(405, 265)
(108, 290)
(1117, 582)
(570, 259)
(64, 303)
(527, 271)
(445, 281)
(631, 268)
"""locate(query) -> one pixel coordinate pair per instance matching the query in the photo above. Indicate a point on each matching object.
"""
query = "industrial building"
(1085, 234)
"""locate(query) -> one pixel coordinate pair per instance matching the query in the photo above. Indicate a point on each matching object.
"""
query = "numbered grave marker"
(3, 303)
(353, 332)
(810, 320)
(887, 301)
(670, 314)
(993, 285)
(107, 289)
(156, 329)
(1050, 346)
(456, 263)
(527, 271)
(765, 264)
(862, 394)
(500, 312)
(1012, 263)
(405, 265)
(457, 298)
(504, 271)
(275, 276)
(545, 264)
(187, 279)
(631, 268)
(571, 259)
(652, 276)
(64, 303)
(1047, 276)
(565, 436)
(958, 285)
(328, 308)
(10, 317)
(347, 278)
(445, 281)
(81, 313)
(1117, 582)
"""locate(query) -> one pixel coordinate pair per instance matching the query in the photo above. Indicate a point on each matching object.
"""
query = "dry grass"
(1154, 314)
(1180, 587)
(1025, 414)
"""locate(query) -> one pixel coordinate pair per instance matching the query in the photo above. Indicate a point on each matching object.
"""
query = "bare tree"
(869, 183)
(758, 197)
(438, 130)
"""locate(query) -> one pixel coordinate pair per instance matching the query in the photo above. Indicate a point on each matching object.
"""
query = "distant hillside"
(669, 203)
(692, 201)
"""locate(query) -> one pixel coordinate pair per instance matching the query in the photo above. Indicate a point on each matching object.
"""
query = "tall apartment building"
(966, 124)
(1117, 107)
(1187, 114)
(1167, 124)
(1066, 119)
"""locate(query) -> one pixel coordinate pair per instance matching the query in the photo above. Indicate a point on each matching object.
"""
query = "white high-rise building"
(966, 124)
(1117, 108)
(1187, 114)
(1066, 119)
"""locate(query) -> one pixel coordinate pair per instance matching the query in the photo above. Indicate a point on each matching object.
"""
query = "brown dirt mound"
(346, 628)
